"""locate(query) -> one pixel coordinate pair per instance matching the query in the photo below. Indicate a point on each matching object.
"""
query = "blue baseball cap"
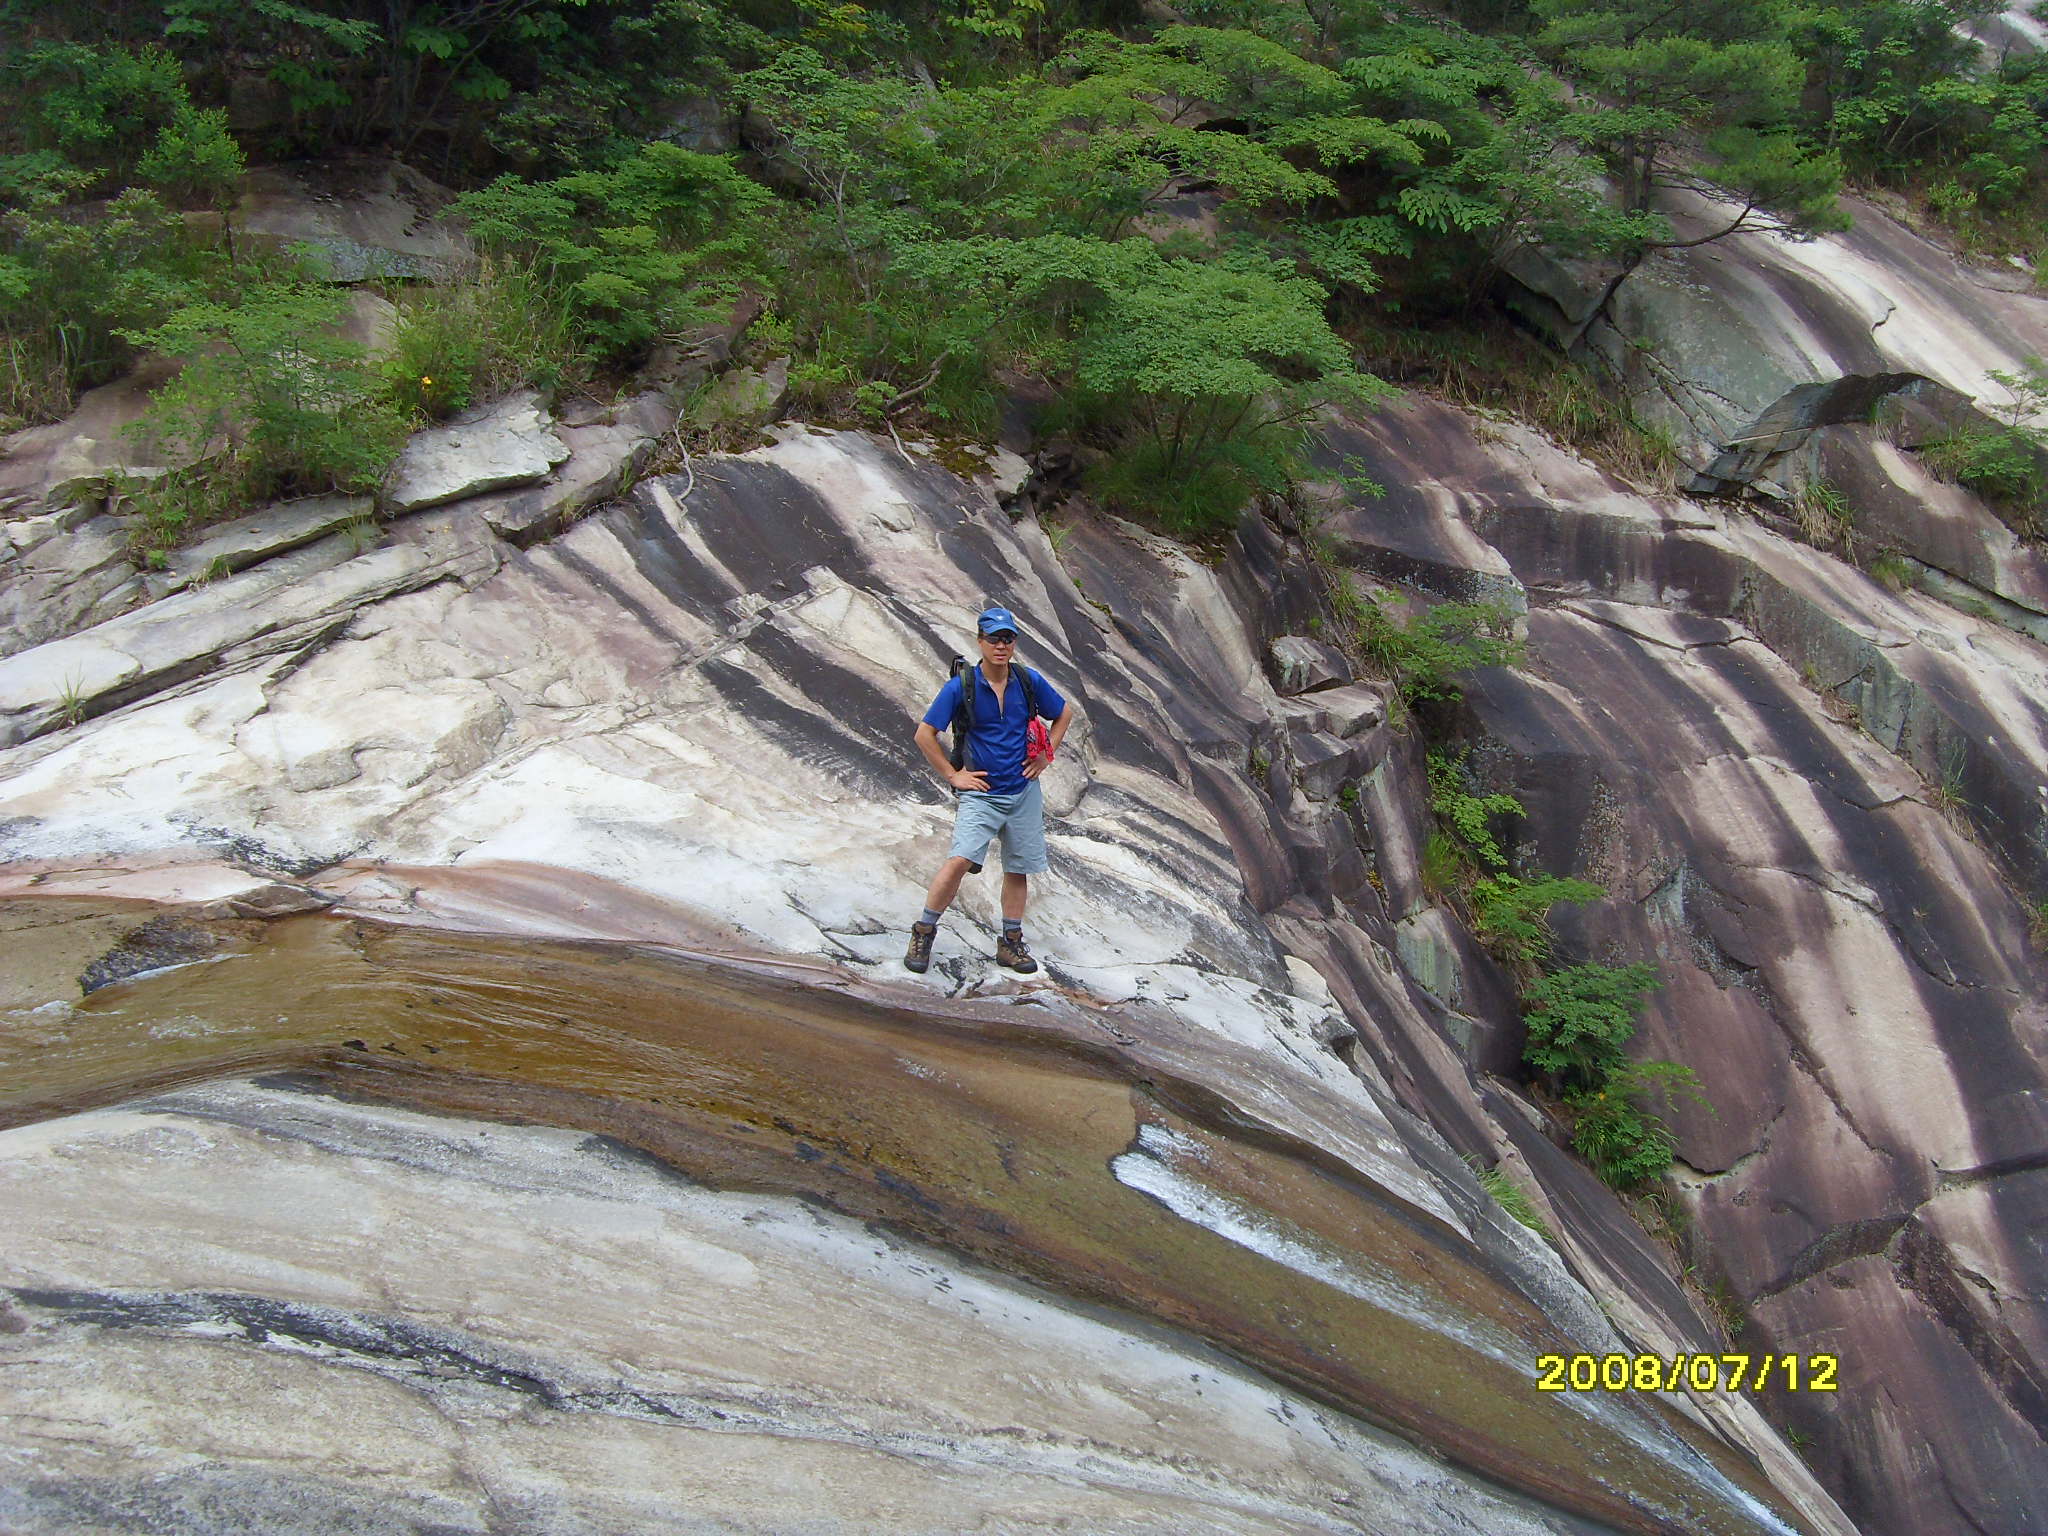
(993, 619)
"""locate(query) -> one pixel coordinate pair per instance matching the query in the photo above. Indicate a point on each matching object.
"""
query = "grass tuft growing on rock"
(1509, 1196)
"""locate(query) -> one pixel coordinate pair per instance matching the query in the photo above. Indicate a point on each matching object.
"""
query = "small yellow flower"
(425, 381)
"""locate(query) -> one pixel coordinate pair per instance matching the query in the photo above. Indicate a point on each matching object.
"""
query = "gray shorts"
(1018, 819)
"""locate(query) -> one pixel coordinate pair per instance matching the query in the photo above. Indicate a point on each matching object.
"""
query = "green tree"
(1211, 372)
(72, 285)
(1696, 98)
(649, 249)
(1581, 1018)
(271, 400)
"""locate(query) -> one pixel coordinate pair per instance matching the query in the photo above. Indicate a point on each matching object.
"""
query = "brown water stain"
(995, 1143)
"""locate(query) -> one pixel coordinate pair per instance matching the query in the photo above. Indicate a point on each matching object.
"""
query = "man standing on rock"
(997, 782)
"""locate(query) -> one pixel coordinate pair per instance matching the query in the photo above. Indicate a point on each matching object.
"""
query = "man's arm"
(1037, 765)
(959, 778)
(1059, 727)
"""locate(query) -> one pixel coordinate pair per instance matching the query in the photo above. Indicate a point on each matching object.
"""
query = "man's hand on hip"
(969, 778)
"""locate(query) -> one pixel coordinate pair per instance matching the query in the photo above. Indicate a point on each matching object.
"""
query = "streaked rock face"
(685, 722)
(681, 724)
(451, 1258)
(1765, 756)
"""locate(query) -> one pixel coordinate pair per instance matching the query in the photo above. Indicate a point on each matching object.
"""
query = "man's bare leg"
(946, 885)
(1016, 893)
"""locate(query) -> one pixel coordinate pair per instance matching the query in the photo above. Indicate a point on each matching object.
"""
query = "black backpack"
(963, 713)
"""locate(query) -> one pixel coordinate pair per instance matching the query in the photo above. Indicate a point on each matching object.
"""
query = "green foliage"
(491, 329)
(195, 160)
(1424, 654)
(1510, 914)
(1446, 866)
(271, 400)
(1468, 816)
(1618, 1130)
(1509, 1195)
(649, 249)
(1580, 1021)
(2007, 463)
(1906, 96)
(89, 110)
(1665, 79)
(1580, 1018)
(1209, 373)
(73, 283)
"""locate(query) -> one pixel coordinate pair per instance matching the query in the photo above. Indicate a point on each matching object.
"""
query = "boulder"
(1353, 710)
(61, 572)
(362, 218)
(244, 541)
(742, 397)
(1303, 665)
(608, 448)
(501, 443)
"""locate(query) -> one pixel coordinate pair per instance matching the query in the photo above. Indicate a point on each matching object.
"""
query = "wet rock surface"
(315, 1243)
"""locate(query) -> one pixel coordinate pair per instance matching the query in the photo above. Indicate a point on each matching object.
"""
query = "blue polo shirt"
(995, 744)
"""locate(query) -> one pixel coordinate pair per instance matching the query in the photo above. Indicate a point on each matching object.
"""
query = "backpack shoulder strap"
(1030, 692)
(963, 709)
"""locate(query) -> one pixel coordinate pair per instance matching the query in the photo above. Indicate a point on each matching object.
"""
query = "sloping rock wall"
(1764, 757)
(685, 721)
(1749, 347)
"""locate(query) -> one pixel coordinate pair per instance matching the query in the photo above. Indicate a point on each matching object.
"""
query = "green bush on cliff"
(272, 400)
(1580, 1021)
(1619, 1127)
(2007, 464)
(1426, 653)
(1468, 817)
(1511, 915)
(75, 284)
(84, 259)
(1581, 1018)
(648, 250)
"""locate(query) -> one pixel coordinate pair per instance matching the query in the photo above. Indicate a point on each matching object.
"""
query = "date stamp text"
(1673, 1373)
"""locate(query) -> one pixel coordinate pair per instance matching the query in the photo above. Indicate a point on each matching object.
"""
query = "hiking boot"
(919, 955)
(1015, 953)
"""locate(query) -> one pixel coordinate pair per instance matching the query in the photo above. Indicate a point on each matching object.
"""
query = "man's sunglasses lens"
(1002, 637)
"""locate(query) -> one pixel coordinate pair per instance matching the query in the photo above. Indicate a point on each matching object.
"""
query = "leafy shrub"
(74, 282)
(1424, 654)
(647, 250)
(1510, 915)
(2007, 464)
(1468, 816)
(1617, 1131)
(271, 400)
(481, 334)
(1580, 1019)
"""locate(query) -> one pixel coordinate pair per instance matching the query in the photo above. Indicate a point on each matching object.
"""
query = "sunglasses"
(1002, 637)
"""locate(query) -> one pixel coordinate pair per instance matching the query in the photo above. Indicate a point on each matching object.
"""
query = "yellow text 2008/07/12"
(1675, 1373)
